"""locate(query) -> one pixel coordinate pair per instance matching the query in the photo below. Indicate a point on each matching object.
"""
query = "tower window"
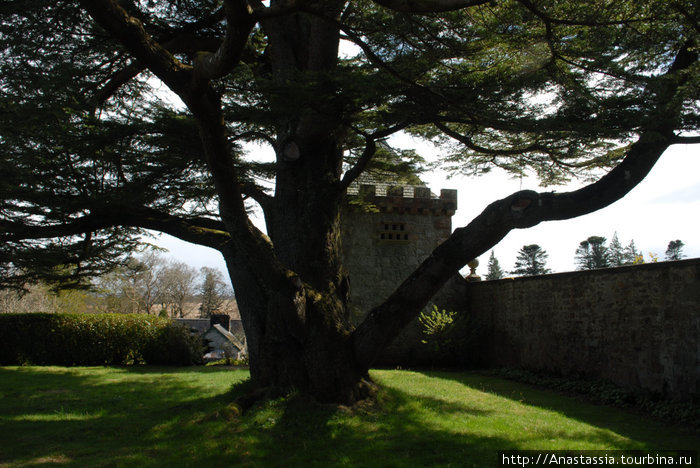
(394, 232)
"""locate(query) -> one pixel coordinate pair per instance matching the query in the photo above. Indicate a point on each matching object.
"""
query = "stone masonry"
(387, 232)
(636, 326)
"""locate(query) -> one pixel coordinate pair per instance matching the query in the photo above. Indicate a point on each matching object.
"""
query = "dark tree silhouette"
(91, 155)
(592, 253)
(494, 268)
(531, 261)
(674, 251)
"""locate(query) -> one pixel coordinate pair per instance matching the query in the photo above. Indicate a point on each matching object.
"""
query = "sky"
(664, 207)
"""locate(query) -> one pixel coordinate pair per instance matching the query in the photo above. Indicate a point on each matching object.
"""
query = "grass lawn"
(145, 416)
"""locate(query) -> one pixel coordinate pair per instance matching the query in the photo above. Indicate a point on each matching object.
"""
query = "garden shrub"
(447, 337)
(438, 326)
(95, 339)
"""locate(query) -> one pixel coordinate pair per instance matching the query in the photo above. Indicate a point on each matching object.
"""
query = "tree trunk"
(297, 322)
(298, 339)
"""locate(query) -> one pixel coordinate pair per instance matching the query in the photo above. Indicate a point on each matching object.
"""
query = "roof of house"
(199, 324)
(228, 335)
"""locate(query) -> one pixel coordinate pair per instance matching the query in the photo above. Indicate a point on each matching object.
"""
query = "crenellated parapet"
(405, 199)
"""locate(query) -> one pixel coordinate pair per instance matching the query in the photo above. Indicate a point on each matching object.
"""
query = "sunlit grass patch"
(185, 417)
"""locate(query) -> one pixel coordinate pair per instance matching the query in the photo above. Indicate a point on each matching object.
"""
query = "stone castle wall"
(387, 232)
(637, 326)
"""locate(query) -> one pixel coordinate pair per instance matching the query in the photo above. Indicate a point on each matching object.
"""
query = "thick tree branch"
(353, 173)
(202, 231)
(257, 193)
(239, 23)
(130, 32)
(428, 6)
(118, 80)
(368, 153)
(686, 140)
(178, 43)
(205, 105)
(520, 210)
(260, 11)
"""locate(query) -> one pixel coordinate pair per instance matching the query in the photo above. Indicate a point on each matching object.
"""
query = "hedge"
(95, 339)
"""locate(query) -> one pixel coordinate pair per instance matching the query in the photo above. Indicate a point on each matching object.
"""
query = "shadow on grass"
(395, 433)
(52, 416)
(145, 416)
(172, 417)
(642, 431)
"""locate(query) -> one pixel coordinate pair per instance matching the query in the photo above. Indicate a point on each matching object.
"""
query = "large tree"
(674, 251)
(531, 261)
(91, 154)
(495, 272)
(212, 292)
(592, 253)
(616, 252)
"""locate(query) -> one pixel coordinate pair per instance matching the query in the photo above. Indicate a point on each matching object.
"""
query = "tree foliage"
(530, 261)
(616, 253)
(495, 271)
(674, 251)
(93, 154)
(213, 292)
(632, 255)
(592, 253)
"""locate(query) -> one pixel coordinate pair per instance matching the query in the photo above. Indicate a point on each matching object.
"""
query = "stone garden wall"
(636, 326)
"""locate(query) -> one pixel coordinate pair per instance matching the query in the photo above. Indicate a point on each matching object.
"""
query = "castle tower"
(387, 232)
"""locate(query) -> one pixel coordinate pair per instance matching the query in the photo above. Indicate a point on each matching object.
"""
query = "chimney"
(221, 319)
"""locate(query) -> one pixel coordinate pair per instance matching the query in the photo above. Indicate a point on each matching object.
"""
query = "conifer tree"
(674, 251)
(632, 255)
(212, 291)
(531, 261)
(616, 253)
(592, 253)
(494, 268)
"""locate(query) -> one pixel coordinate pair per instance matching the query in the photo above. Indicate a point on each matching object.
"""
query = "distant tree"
(139, 280)
(9, 300)
(109, 295)
(632, 255)
(495, 271)
(176, 285)
(531, 261)
(592, 253)
(213, 291)
(674, 251)
(42, 297)
(31, 298)
(616, 253)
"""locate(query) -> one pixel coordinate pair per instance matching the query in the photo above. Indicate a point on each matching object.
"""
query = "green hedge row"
(95, 339)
